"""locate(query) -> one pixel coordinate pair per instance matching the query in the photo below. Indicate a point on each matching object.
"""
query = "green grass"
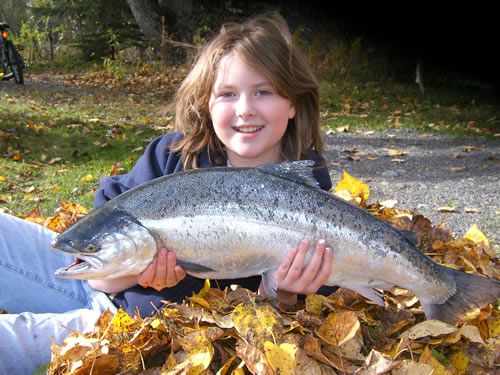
(51, 139)
(382, 105)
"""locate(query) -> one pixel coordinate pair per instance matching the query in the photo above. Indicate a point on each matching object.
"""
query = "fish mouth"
(83, 264)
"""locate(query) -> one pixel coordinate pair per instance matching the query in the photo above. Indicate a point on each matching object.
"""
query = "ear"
(291, 112)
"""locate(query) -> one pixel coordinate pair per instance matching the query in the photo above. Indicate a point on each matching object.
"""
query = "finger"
(316, 260)
(286, 263)
(171, 279)
(145, 278)
(298, 262)
(161, 270)
(179, 273)
(326, 268)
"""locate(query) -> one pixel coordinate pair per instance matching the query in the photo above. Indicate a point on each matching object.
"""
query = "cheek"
(220, 114)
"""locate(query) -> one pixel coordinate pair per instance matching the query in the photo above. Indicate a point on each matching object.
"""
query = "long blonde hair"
(265, 44)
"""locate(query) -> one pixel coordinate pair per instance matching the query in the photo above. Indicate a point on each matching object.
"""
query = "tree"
(165, 24)
(96, 27)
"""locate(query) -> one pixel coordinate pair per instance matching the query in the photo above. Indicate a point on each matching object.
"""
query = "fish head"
(106, 244)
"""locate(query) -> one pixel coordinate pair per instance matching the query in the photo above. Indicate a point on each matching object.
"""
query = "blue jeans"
(40, 307)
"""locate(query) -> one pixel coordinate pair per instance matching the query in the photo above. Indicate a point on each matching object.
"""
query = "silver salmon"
(228, 223)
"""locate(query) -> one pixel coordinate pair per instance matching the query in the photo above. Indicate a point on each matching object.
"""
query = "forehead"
(232, 69)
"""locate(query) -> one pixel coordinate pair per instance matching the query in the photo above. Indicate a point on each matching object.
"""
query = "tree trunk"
(157, 17)
(147, 15)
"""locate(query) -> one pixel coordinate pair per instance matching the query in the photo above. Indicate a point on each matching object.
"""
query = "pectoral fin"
(270, 283)
(193, 267)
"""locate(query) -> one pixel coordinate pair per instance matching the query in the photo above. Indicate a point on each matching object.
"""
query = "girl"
(250, 99)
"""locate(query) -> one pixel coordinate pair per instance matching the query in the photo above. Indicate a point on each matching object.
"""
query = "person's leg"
(26, 339)
(27, 265)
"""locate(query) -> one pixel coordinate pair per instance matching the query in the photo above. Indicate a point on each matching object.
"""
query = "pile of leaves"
(235, 331)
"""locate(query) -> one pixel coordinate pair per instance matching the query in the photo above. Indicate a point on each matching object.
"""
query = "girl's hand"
(294, 278)
(162, 272)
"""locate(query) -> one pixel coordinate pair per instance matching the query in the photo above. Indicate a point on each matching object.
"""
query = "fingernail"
(321, 242)
(328, 249)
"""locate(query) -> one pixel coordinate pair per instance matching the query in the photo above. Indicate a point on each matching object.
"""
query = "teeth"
(249, 129)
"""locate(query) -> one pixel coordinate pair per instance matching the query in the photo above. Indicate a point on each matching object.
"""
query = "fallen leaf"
(475, 234)
(87, 178)
(376, 363)
(342, 129)
(456, 169)
(393, 152)
(428, 359)
(460, 362)
(447, 209)
(281, 357)
(338, 328)
(357, 188)
(431, 328)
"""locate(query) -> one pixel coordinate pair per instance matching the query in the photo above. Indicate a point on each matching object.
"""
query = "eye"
(227, 94)
(90, 248)
(263, 92)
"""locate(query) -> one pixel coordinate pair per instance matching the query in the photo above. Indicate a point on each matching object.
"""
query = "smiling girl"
(250, 99)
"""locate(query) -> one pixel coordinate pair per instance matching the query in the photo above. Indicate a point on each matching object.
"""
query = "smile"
(248, 129)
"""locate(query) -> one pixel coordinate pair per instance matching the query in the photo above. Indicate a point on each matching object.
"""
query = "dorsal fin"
(298, 171)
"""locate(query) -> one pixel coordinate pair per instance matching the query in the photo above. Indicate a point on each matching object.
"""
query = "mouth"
(248, 129)
(81, 264)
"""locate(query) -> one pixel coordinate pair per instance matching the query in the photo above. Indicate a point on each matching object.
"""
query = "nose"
(245, 107)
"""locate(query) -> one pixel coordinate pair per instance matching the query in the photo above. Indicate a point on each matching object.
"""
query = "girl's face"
(248, 115)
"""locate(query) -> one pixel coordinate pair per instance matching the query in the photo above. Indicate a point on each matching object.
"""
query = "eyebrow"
(254, 86)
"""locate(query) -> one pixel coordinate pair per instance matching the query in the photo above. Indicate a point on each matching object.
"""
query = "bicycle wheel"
(16, 65)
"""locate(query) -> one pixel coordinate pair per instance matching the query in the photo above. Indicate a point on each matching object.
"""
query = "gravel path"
(433, 172)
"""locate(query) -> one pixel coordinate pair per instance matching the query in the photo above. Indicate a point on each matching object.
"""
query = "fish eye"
(90, 248)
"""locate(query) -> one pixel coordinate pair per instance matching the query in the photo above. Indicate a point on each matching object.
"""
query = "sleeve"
(156, 161)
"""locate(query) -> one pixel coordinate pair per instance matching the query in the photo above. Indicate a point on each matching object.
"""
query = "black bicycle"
(11, 62)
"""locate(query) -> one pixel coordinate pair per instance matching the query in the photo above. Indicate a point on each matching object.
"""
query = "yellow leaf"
(155, 323)
(281, 358)
(225, 368)
(339, 328)
(356, 187)
(314, 304)
(199, 352)
(200, 301)
(460, 362)
(428, 359)
(345, 195)
(2, 178)
(255, 323)
(392, 152)
(87, 178)
(206, 288)
(122, 321)
(475, 234)
(73, 208)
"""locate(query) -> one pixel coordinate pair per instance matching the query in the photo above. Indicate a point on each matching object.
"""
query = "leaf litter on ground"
(237, 331)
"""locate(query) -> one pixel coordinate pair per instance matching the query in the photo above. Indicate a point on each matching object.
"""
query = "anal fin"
(193, 267)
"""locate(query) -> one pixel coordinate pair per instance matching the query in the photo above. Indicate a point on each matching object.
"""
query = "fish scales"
(238, 222)
(254, 196)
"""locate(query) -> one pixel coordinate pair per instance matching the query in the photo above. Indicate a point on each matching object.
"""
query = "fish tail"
(472, 291)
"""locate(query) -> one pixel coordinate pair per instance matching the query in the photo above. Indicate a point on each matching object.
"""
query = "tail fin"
(472, 291)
